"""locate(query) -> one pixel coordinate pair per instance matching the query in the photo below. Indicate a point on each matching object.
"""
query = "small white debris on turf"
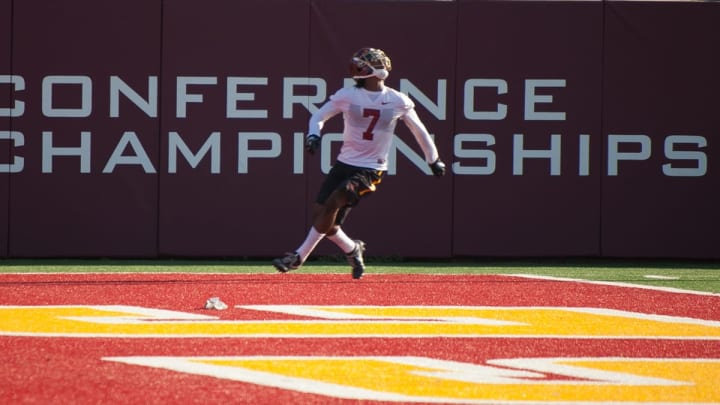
(215, 303)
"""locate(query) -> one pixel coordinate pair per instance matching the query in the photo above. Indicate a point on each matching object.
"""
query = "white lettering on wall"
(469, 99)
(615, 155)
(234, 96)
(699, 157)
(183, 97)
(18, 162)
(532, 99)
(49, 151)
(149, 106)
(176, 144)
(520, 154)
(139, 157)
(50, 110)
(310, 102)
(484, 99)
(438, 109)
(463, 152)
(18, 107)
(245, 153)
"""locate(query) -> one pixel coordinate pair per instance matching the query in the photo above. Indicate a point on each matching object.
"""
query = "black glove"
(312, 143)
(438, 168)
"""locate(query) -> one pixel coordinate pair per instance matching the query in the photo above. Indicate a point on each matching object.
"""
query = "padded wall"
(661, 85)
(75, 197)
(252, 203)
(528, 75)
(154, 128)
(6, 105)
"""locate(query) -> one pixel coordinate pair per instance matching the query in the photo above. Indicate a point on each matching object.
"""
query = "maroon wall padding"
(587, 73)
(410, 213)
(5, 102)
(69, 213)
(661, 79)
(535, 213)
(261, 212)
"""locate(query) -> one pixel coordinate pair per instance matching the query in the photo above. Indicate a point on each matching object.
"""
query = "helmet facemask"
(370, 62)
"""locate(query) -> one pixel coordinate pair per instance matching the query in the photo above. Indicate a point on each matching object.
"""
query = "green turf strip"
(699, 276)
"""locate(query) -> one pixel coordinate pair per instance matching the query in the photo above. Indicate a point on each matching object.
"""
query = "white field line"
(616, 284)
(657, 277)
(369, 275)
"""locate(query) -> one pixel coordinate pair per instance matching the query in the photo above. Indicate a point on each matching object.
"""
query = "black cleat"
(355, 259)
(290, 261)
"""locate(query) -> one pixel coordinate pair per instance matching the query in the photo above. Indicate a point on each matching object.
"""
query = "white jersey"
(370, 120)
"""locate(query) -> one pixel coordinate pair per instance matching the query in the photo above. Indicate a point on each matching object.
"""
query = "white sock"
(312, 239)
(343, 241)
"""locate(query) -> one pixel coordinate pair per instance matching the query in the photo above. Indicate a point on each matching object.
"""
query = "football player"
(370, 111)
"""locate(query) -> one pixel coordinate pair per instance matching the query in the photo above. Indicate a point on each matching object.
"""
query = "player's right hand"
(312, 143)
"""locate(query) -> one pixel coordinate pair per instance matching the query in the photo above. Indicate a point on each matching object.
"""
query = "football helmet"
(369, 62)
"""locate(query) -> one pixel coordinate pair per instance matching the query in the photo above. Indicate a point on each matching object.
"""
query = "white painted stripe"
(354, 336)
(640, 315)
(320, 311)
(193, 365)
(517, 371)
(657, 277)
(162, 317)
(554, 365)
(615, 284)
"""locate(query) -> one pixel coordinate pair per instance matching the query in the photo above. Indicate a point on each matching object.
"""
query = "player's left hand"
(438, 168)
(312, 143)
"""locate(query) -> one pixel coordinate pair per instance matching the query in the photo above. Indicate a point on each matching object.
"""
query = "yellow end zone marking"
(354, 321)
(502, 381)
